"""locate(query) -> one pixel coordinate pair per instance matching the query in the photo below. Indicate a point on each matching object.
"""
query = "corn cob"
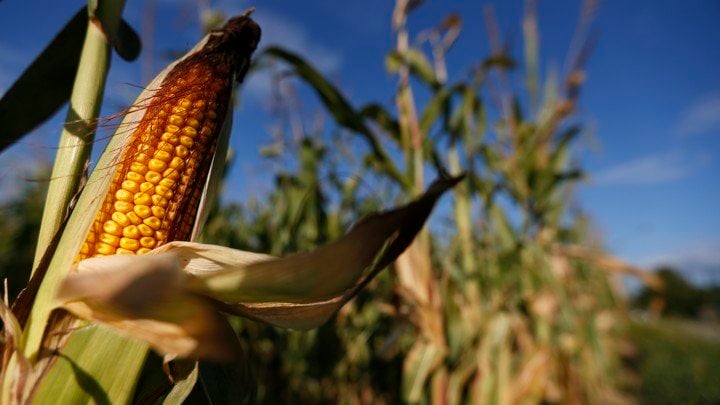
(160, 177)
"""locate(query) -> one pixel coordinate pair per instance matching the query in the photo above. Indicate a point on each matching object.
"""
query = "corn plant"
(516, 304)
(116, 277)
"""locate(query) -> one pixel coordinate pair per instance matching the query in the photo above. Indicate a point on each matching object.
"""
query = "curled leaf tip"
(171, 296)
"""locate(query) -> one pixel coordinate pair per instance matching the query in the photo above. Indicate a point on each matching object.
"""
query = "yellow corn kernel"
(152, 222)
(131, 231)
(130, 185)
(176, 119)
(189, 131)
(142, 198)
(145, 230)
(153, 177)
(147, 187)
(162, 190)
(129, 244)
(170, 138)
(161, 235)
(159, 200)
(123, 206)
(111, 240)
(142, 251)
(166, 182)
(171, 173)
(181, 151)
(143, 211)
(194, 123)
(104, 249)
(165, 146)
(157, 211)
(120, 218)
(157, 165)
(163, 155)
(142, 158)
(134, 218)
(112, 228)
(121, 251)
(135, 176)
(186, 141)
(147, 242)
(124, 195)
(177, 163)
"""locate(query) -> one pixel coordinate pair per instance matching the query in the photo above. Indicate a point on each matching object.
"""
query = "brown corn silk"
(161, 174)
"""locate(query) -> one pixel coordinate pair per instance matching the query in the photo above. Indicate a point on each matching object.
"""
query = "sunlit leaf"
(157, 297)
(416, 61)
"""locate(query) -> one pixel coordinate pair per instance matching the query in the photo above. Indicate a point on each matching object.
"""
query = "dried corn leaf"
(164, 297)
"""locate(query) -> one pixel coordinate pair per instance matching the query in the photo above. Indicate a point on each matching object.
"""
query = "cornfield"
(503, 298)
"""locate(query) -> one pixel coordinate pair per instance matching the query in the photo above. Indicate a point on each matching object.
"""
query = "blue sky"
(651, 103)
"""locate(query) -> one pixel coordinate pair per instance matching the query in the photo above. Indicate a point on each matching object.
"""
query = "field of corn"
(503, 297)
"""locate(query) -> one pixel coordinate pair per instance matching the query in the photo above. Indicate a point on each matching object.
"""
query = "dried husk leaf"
(168, 297)
(15, 391)
(148, 297)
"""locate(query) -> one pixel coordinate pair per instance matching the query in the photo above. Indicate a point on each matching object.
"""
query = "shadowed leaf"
(47, 83)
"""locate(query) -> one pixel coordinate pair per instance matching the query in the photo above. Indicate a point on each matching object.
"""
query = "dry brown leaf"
(169, 297)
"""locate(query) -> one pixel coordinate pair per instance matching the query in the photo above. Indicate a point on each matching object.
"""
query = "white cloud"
(701, 117)
(652, 169)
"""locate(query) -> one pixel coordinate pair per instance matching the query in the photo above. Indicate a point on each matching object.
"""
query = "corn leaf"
(338, 106)
(46, 84)
(158, 299)
(98, 382)
(416, 61)
(184, 382)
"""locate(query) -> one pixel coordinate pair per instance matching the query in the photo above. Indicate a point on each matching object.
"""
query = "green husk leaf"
(87, 370)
